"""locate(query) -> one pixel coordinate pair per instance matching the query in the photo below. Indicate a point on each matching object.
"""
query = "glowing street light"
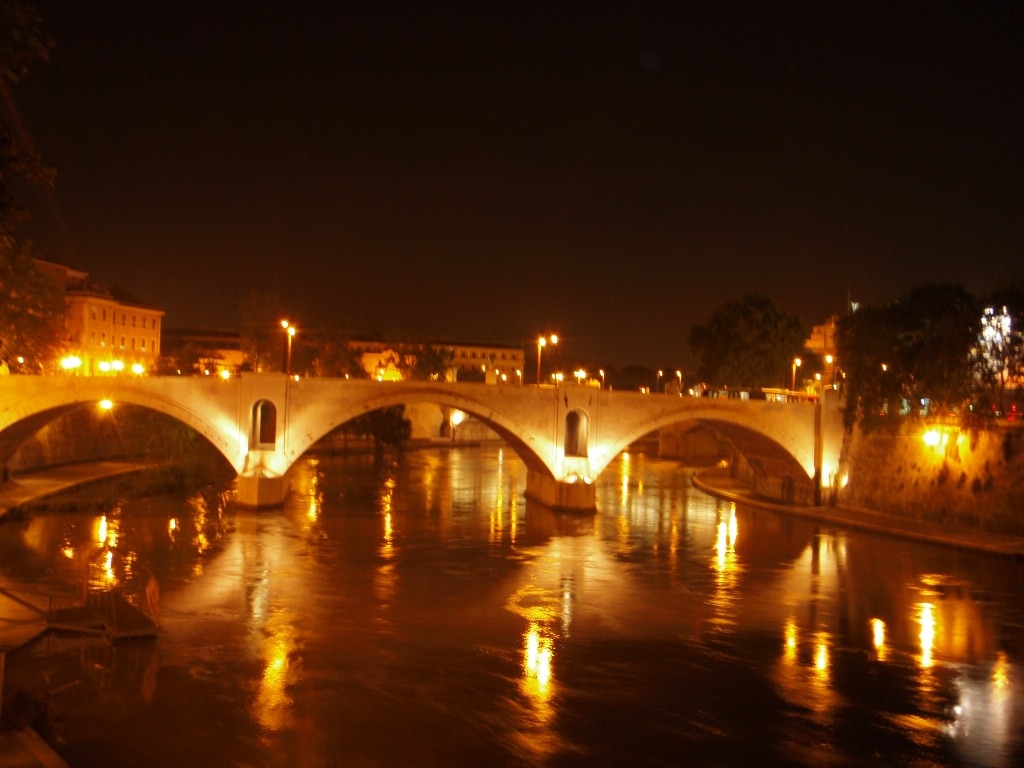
(541, 343)
(679, 378)
(602, 377)
(797, 362)
(290, 331)
(657, 386)
(580, 375)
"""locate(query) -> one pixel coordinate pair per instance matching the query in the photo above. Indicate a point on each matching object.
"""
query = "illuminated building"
(105, 332)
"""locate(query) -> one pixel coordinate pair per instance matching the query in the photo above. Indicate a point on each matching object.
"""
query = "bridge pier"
(260, 489)
(578, 496)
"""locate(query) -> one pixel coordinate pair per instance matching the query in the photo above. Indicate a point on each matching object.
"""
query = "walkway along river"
(424, 614)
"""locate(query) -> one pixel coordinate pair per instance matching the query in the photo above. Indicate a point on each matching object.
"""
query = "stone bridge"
(566, 435)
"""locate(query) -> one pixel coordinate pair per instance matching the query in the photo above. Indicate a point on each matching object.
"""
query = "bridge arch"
(37, 406)
(766, 445)
(316, 423)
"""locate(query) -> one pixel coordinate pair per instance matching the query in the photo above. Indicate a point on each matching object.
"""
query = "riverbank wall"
(940, 474)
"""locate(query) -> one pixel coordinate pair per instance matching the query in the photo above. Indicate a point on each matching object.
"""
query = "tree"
(998, 357)
(866, 344)
(748, 343)
(22, 44)
(911, 357)
(31, 304)
(335, 356)
(428, 362)
(386, 427)
(938, 327)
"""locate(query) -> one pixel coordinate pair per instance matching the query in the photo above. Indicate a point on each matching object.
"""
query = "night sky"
(487, 171)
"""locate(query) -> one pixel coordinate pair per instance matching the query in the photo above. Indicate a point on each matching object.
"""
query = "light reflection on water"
(424, 613)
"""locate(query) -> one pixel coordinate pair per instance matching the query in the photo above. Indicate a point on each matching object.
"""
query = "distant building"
(499, 364)
(218, 351)
(105, 331)
(214, 352)
(823, 338)
(823, 343)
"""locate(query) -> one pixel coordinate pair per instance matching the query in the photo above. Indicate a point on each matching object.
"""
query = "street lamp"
(289, 330)
(602, 377)
(541, 343)
(679, 377)
(797, 362)
(657, 386)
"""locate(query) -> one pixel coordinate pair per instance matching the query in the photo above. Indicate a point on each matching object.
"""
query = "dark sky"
(491, 170)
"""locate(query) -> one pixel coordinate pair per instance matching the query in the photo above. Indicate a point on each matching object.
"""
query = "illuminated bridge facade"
(566, 435)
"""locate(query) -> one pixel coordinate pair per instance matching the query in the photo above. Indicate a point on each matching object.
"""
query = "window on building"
(104, 314)
(124, 319)
(122, 342)
(143, 342)
(92, 312)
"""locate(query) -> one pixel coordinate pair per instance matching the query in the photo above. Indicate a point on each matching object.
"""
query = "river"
(425, 614)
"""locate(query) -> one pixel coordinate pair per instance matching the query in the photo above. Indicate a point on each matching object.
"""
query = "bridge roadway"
(566, 435)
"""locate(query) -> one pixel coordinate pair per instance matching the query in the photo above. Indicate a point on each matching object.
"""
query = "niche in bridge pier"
(263, 429)
(577, 433)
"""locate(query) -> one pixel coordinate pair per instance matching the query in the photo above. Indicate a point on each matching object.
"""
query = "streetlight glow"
(541, 343)
(289, 330)
(797, 362)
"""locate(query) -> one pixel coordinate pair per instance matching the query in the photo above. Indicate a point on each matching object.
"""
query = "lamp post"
(602, 377)
(541, 343)
(796, 364)
(657, 386)
(289, 330)
(679, 378)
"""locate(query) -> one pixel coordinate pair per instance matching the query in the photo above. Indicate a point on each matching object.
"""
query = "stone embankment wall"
(971, 480)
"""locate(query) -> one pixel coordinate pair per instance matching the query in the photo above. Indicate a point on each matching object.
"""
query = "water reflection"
(422, 612)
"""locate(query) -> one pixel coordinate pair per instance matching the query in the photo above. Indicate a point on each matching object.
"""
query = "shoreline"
(34, 486)
(718, 483)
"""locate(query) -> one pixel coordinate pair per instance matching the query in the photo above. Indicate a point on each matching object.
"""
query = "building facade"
(104, 333)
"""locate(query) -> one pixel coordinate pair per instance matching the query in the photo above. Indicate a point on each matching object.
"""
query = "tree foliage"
(31, 304)
(31, 313)
(427, 362)
(384, 427)
(334, 355)
(22, 44)
(998, 358)
(748, 343)
(911, 356)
